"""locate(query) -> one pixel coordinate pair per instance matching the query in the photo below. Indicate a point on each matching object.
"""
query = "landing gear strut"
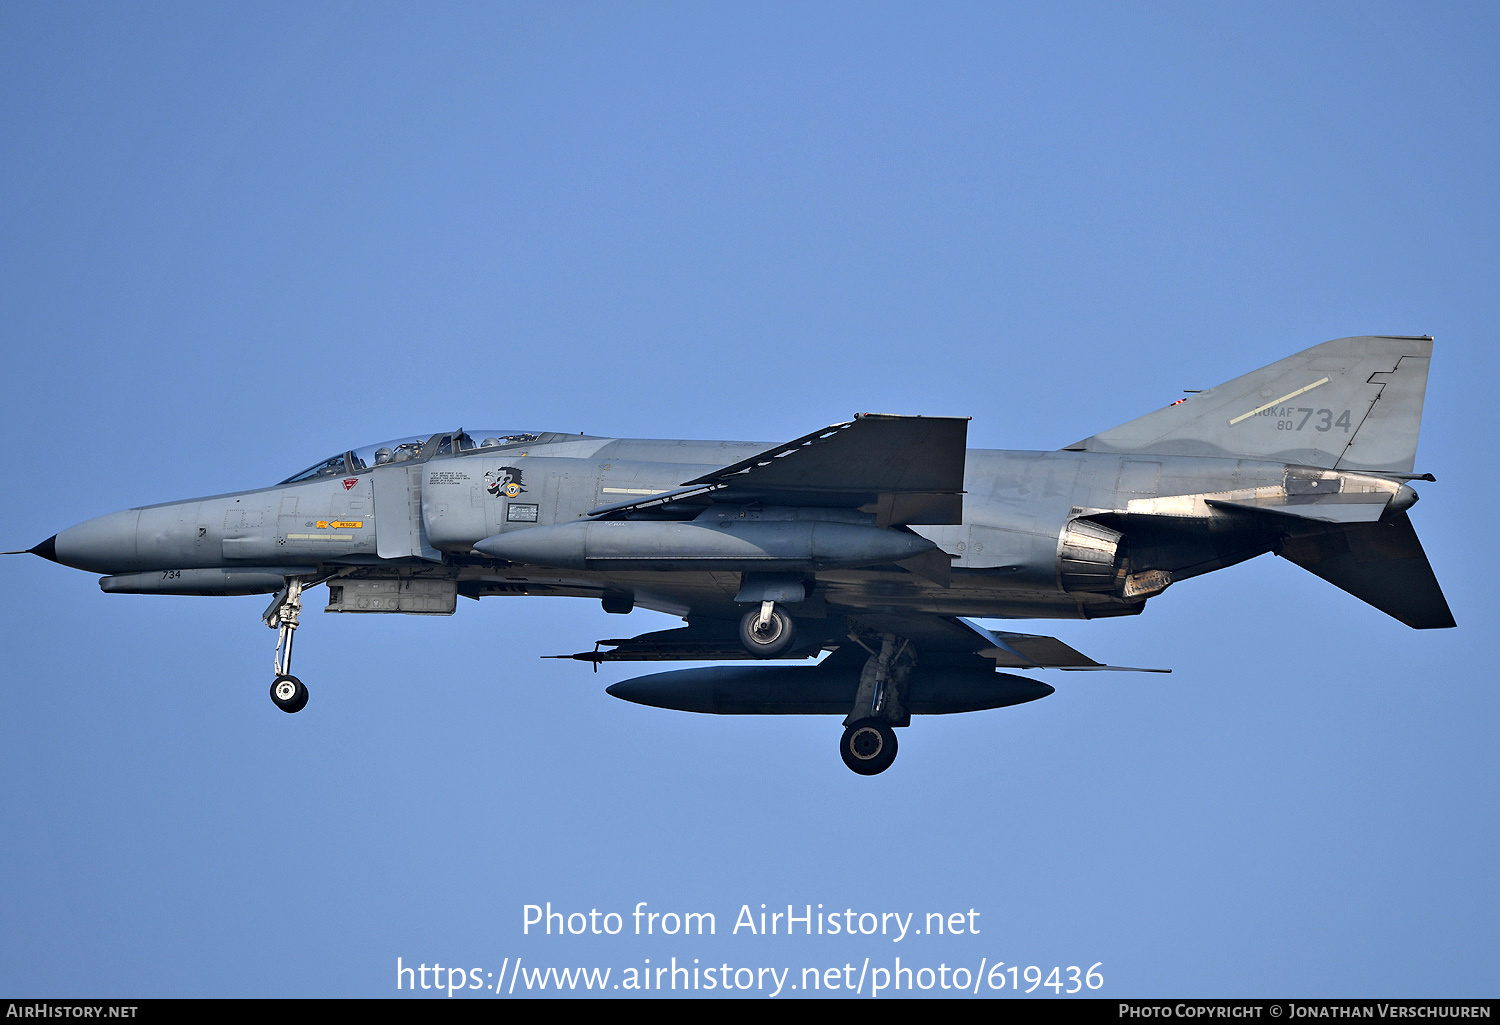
(288, 692)
(869, 742)
(767, 632)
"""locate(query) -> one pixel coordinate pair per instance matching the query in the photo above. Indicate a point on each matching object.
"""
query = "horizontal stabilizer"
(1382, 564)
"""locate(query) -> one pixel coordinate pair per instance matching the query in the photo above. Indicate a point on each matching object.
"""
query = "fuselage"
(1019, 552)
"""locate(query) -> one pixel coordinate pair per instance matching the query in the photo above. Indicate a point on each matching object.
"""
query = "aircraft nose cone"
(105, 544)
(47, 549)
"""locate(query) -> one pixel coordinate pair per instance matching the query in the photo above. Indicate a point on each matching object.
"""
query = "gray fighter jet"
(870, 540)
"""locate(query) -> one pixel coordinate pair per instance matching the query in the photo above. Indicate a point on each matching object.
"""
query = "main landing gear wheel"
(289, 694)
(767, 633)
(869, 746)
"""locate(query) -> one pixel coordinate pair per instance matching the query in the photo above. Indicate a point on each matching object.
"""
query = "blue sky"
(236, 240)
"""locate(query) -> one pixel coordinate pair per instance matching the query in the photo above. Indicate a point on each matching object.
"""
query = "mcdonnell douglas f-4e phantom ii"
(872, 539)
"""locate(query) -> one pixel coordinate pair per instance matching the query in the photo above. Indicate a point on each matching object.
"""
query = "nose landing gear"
(288, 692)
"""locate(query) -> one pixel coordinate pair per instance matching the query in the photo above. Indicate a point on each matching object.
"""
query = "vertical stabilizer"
(1348, 404)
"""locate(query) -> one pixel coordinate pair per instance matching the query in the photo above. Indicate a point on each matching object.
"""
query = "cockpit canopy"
(413, 449)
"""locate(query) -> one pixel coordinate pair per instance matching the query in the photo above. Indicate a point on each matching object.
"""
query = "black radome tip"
(47, 549)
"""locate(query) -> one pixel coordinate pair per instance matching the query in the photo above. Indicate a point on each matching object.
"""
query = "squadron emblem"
(504, 481)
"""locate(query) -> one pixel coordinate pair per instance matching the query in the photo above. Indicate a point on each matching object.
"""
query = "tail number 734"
(1298, 418)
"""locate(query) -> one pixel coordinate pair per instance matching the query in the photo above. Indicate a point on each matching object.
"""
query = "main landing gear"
(288, 692)
(869, 743)
(868, 746)
(767, 632)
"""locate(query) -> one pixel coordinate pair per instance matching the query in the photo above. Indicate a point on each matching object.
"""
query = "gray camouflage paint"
(1349, 404)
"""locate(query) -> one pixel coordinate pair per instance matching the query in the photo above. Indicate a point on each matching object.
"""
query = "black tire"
(869, 746)
(289, 694)
(775, 640)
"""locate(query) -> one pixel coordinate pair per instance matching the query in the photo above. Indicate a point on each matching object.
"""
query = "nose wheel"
(288, 692)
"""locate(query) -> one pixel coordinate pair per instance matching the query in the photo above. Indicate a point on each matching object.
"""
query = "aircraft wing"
(942, 638)
(954, 635)
(700, 641)
(904, 469)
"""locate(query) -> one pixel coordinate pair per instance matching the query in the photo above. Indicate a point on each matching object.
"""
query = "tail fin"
(1348, 404)
(1381, 564)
